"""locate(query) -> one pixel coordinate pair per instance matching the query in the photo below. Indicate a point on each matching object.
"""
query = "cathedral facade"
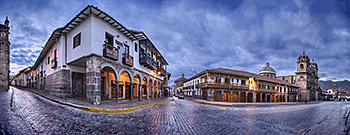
(306, 78)
(4, 55)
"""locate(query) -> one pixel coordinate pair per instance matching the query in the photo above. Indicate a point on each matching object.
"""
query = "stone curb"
(100, 110)
(241, 104)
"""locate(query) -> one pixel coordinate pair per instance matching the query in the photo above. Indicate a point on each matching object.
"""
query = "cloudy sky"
(204, 34)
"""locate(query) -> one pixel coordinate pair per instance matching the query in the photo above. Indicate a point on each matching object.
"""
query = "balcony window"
(135, 47)
(109, 39)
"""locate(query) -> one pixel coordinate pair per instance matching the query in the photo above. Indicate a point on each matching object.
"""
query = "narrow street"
(23, 112)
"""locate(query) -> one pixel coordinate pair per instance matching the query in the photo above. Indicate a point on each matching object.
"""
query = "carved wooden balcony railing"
(109, 51)
(223, 86)
(147, 61)
(128, 60)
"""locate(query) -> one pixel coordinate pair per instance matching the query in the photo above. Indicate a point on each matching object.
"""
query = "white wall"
(85, 43)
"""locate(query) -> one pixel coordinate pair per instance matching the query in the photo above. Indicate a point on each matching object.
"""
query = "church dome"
(267, 69)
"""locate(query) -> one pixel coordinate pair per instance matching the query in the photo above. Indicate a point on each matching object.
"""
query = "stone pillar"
(239, 96)
(117, 97)
(266, 98)
(222, 95)
(147, 91)
(254, 97)
(230, 96)
(261, 97)
(211, 93)
(140, 91)
(93, 79)
(270, 98)
(132, 89)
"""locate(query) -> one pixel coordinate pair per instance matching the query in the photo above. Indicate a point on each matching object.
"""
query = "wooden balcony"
(128, 60)
(109, 51)
(223, 86)
(147, 61)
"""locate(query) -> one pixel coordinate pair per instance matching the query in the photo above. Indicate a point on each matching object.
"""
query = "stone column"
(261, 97)
(286, 97)
(239, 96)
(93, 79)
(266, 98)
(254, 97)
(270, 98)
(211, 95)
(140, 91)
(147, 91)
(222, 95)
(132, 89)
(230, 96)
(117, 97)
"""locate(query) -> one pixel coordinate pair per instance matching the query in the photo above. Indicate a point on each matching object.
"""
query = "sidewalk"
(106, 106)
(235, 104)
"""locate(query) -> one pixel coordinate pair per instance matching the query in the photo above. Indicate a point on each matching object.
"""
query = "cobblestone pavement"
(23, 112)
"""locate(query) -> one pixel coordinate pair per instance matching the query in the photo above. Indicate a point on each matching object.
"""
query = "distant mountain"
(342, 85)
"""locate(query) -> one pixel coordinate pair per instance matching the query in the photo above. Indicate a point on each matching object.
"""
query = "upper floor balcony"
(147, 61)
(223, 86)
(109, 51)
(128, 60)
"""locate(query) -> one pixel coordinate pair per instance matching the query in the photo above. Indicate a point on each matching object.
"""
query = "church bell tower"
(4, 55)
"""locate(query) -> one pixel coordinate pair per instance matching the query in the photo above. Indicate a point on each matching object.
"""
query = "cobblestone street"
(23, 112)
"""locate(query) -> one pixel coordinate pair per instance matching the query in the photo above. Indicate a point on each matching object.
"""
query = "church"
(4, 55)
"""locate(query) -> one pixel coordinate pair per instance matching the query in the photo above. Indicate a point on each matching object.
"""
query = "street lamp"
(41, 47)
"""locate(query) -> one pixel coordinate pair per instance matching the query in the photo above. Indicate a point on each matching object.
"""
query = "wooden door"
(77, 84)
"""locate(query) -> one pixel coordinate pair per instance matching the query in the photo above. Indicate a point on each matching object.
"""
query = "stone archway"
(235, 96)
(250, 97)
(226, 97)
(108, 83)
(258, 97)
(150, 88)
(144, 88)
(217, 96)
(155, 89)
(136, 87)
(125, 88)
(263, 97)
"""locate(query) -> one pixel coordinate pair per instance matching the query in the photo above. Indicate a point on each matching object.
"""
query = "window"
(76, 40)
(48, 60)
(109, 39)
(135, 47)
(301, 66)
(126, 51)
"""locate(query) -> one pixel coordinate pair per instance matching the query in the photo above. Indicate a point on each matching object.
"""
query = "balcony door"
(126, 50)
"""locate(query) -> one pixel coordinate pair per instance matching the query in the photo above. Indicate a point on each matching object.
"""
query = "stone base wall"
(58, 83)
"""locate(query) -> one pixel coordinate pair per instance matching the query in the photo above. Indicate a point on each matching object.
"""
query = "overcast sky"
(204, 34)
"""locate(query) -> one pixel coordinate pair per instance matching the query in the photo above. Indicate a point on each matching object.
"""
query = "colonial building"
(4, 55)
(306, 79)
(178, 84)
(96, 57)
(238, 86)
(226, 85)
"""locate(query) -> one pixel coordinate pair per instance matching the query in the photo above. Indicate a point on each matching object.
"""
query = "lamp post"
(194, 71)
